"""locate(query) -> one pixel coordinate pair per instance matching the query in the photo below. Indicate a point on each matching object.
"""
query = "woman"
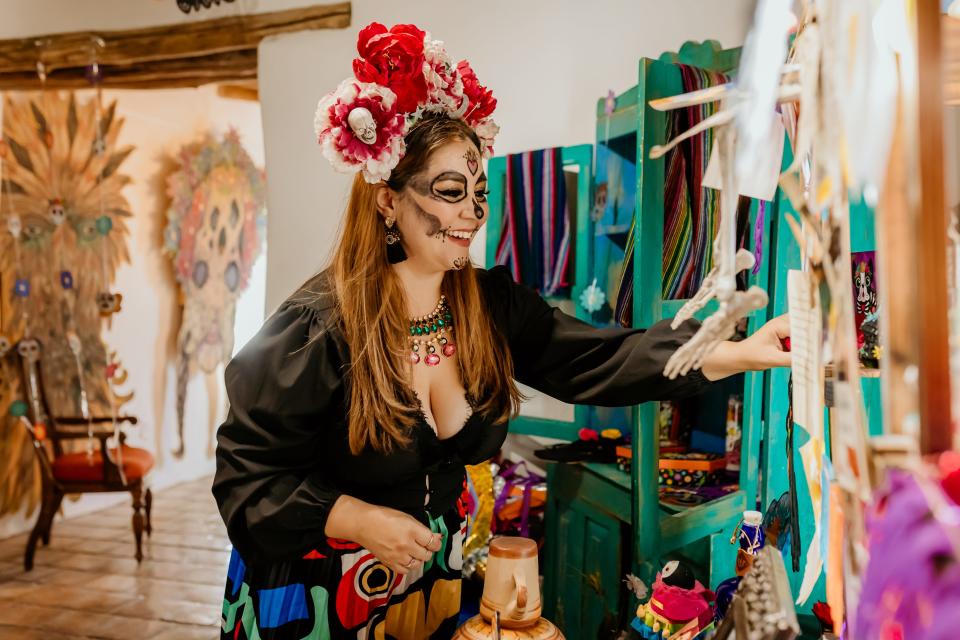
(340, 467)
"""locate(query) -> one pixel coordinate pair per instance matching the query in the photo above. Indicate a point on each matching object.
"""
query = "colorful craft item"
(104, 225)
(675, 611)
(821, 610)
(14, 225)
(111, 370)
(535, 235)
(108, 303)
(66, 280)
(588, 434)
(949, 466)
(401, 76)
(687, 470)
(724, 593)
(40, 431)
(870, 349)
(611, 434)
(751, 539)
(610, 103)
(21, 288)
(758, 237)
(911, 585)
(592, 298)
(18, 408)
(56, 211)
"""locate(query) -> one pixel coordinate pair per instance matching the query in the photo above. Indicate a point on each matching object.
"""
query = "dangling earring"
(395, 252)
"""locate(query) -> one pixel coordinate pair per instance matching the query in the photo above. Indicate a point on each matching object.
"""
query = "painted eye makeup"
(450, 186)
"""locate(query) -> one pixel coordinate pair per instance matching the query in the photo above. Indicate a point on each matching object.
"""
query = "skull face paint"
(443, 202)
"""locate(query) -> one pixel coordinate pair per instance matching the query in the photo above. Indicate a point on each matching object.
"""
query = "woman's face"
(440, 210)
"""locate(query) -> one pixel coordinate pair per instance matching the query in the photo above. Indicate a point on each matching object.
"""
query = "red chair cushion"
(78, 467)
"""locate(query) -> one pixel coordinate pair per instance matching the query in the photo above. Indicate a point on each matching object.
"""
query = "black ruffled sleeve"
(576, 362)
(285, 393)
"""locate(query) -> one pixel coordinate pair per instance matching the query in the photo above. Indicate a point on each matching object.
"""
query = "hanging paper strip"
(690, 212)
(535, 234)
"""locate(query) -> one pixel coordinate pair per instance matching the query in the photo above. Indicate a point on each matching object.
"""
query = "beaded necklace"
(431, 333)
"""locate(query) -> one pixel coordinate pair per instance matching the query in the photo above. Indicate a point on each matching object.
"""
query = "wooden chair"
(80, 472)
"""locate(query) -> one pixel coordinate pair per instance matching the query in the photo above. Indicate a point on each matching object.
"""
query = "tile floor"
(87, 584)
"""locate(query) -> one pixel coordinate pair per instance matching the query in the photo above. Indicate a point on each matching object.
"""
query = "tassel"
(395, 252)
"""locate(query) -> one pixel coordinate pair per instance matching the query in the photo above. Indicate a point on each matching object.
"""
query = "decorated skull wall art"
(53, 263)
(213, 235)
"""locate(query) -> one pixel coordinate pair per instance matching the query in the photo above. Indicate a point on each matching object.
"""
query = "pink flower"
(444, 86)
(487, 131)
(340, 141)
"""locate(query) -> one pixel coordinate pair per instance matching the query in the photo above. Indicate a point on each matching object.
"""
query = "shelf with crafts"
(661, 533)
(603, 522)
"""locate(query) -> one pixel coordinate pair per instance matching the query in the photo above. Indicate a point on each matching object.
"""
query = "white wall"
(546, 61)
(157, 124)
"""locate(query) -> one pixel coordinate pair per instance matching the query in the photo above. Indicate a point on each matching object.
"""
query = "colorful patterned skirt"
(340, 590)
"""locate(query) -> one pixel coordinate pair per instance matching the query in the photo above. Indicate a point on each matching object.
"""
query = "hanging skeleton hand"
(715, 329)
(708, 290)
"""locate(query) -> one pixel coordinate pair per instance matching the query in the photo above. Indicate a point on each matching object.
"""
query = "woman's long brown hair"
(372, 313)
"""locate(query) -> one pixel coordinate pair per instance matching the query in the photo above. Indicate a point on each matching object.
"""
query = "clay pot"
(476, 628)
(512, 583)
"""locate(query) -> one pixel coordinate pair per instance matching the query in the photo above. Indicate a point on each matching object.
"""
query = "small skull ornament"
(363, 125)
(57, 211)
(4, 345)
(14, 226)
(29, 349)
(108, 303)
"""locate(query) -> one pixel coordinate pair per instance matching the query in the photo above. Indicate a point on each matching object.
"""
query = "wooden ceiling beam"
(185, 54)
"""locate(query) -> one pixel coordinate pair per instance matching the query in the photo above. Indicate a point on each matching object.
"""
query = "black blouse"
(283, 456)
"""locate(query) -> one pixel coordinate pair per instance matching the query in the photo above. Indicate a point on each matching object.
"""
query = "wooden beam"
(187, 72)
(216, 50)
(936, 432)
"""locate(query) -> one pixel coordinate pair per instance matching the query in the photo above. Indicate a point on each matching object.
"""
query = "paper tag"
(761, 185)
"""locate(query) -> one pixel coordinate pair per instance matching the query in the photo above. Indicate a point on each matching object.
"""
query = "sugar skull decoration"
(864, 285)
(680, 607)
(53, 262)
(213, 235)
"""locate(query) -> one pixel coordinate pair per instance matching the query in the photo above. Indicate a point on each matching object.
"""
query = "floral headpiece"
(401, 75)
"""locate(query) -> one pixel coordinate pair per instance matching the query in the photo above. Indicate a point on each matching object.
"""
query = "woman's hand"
(395, 538)
(765, 348)
(762, 350)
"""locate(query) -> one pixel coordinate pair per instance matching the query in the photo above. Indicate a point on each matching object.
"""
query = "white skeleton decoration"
(743, 123)
(363, 125)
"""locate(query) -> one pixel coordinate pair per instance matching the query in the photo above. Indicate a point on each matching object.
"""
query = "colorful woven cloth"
(690, 212)
(535, 235)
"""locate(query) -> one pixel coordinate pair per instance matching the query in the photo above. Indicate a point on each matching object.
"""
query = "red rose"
(393, 59)
(482, 102)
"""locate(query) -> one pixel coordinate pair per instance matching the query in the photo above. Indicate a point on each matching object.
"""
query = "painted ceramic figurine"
(680, 608)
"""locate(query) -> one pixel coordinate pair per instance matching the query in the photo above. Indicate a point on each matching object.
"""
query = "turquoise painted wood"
(658, 534)
(579, 159)
(584, 563)
(787, 256)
